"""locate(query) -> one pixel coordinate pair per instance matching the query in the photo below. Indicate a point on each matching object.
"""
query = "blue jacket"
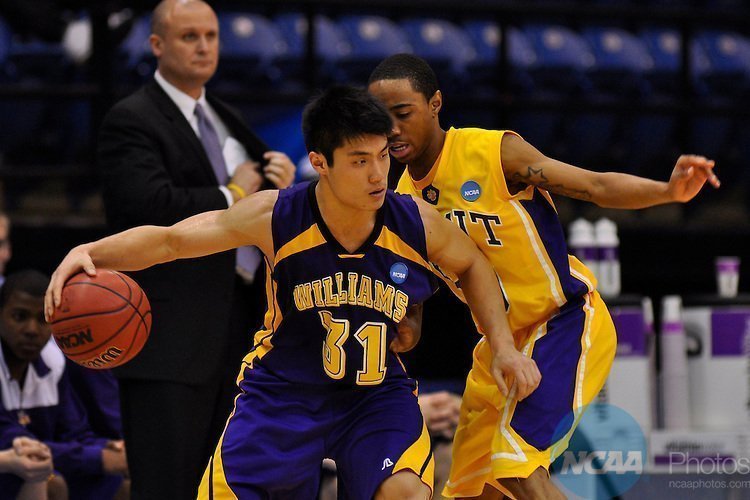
(48, 410)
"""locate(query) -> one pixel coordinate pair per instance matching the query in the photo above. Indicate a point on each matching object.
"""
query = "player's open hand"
(280, 170)
(690, 173)
(509, 366)
(76, 260)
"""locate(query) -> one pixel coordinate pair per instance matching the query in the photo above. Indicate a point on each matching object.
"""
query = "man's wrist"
(237, 191)
(501, 345)
(5, 458)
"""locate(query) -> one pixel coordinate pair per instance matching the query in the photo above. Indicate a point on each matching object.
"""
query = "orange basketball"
(103, 321)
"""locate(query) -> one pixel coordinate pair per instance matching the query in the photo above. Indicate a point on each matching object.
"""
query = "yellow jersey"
(520, 234)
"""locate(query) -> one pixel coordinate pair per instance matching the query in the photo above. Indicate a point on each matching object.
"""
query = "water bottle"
(674, 366)
(648, 322)
(609, 257)
(582, 244)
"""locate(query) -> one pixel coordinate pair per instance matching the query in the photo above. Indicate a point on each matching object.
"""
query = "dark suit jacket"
(155, 171)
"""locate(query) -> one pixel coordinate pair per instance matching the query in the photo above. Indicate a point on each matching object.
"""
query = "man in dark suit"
(167, 152)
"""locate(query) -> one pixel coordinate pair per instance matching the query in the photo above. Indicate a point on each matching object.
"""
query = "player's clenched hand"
(27, 446)
(28, 458)
(280, 170)
(77, 259)
(690, 173)
(509, 365)
(26, 467)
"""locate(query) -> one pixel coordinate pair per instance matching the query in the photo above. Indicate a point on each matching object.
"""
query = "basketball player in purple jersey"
(346, 260)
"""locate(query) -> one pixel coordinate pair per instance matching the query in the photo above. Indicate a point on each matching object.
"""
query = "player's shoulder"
(265, 200)
(296, 190)
(406, 211)
(466, 145)
(257, 208)
(470, 135)
(294, 203)
(137, 110)
(397, 200)
(294, 198)
(417, 205)
(141, 100)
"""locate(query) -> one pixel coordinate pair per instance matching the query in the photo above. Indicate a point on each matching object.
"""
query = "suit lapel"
(184, 131)
(253, 144)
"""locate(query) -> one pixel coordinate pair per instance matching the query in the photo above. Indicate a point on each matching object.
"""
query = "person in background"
(99, 394)
(31, 461)
(38, 402)
(166, 152)
(6, 252)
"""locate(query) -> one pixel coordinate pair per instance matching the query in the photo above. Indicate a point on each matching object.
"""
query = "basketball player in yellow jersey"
(496, 187)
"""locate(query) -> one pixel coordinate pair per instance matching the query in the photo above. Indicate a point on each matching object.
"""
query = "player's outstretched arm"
(453, 251)
(524, 164)
(247, 222)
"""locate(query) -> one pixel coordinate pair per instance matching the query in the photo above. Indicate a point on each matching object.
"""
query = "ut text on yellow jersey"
(520, 233)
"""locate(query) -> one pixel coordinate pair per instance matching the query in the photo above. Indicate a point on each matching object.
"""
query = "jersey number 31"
(372, 337)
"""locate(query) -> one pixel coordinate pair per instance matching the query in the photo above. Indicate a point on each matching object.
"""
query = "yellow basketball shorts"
(501, 438)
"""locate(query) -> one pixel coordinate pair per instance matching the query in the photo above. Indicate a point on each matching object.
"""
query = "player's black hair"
(409, 67)
(340, 114)
(28, 281)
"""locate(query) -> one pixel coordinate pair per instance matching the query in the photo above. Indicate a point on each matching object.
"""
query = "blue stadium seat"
(649, 136)
(541, 128)
(729, 57)
(673, 3)
(445, 46)
(137, 62)
(372, 38)
(707, 134)
(282, 132)
(621, 61)
(731, 6)
(485, 35)
(665, 47)
(563, 59)
(618, 75)
(726, 80)
(33, 130)
(34, 60)
(250, 46)
(330, 46)
(5, 40)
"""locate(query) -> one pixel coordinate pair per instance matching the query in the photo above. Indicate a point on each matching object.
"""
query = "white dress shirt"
(234, 152)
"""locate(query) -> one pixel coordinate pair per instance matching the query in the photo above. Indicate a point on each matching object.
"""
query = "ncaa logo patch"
(471, 191)
(399, 272)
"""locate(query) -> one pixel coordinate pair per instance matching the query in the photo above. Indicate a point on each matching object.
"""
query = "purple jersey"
(320, 381)
(331, 313)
